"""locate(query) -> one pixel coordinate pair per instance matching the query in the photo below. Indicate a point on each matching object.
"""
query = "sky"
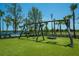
(59, 10)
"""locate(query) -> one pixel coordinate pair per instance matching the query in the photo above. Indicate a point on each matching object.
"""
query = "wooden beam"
(45, 22)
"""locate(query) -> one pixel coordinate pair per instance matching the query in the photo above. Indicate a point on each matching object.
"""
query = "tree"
(28, 25)
(15, 11)
(8, 21)
(35, 16)
(66, 19)
(73, 7)
(1, 14)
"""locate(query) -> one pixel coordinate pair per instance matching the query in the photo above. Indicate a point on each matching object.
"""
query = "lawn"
(29, 47)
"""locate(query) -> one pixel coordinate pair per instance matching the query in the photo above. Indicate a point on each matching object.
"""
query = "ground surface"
(29, 47)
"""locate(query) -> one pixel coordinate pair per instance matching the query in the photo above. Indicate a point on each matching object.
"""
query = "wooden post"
(69, 34)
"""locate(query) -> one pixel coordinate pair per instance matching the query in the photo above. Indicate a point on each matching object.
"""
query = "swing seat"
(51, 37)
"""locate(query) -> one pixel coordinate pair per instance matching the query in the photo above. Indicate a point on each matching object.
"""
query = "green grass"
(29, 47)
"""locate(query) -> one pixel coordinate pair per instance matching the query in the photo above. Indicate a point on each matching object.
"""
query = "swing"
(52, 36)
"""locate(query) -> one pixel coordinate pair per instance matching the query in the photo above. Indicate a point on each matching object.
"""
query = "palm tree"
(8, 22)
(66, 19)
(1, 14)
(27, 24)
(73, 7)
(36, 16)
(15, 10)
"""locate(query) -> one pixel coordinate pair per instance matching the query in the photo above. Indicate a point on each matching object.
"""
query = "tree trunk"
(15, 26)
(38, 33)
(15, 19)
(35, 29)
(15, 29)
(3, 26)
(7, 28)
(74, 24)
(46, 29)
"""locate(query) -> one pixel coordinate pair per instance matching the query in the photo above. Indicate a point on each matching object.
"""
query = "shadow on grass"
(50, 42)
(55, 43)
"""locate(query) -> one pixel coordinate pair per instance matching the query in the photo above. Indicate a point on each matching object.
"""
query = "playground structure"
(53, 35)
(38, 30)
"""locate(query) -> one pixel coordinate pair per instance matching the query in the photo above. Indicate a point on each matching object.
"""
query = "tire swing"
(53, 35)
